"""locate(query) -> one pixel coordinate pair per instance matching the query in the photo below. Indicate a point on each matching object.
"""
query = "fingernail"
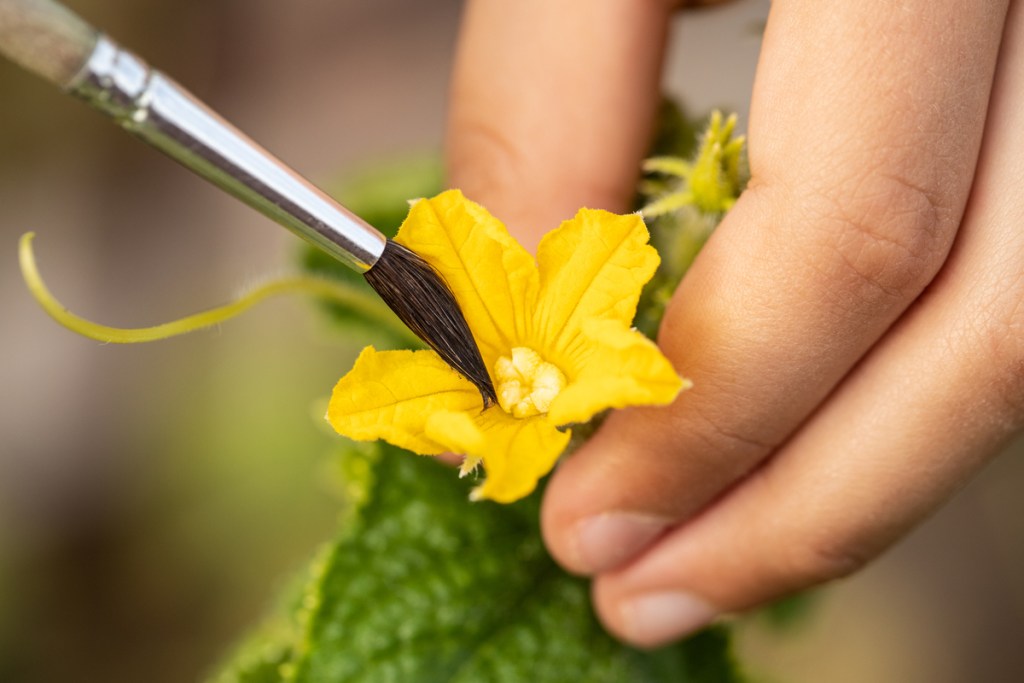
(607, 540)
(657, 618)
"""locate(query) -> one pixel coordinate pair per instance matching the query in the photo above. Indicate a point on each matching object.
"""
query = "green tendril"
(315, 286)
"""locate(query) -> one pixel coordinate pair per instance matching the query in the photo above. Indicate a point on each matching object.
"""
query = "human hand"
(854, 328)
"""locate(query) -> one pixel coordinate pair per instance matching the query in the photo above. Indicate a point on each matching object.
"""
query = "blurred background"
(154, 498)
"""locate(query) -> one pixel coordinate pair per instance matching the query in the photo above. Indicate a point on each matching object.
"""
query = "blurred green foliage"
(379, 196)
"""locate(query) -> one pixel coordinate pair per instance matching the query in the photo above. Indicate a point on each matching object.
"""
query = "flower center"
(526, 383)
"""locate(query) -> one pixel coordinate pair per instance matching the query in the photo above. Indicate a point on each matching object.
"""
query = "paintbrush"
(52, 42)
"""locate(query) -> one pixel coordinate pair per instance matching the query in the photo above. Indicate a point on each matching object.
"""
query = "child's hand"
(855, 327)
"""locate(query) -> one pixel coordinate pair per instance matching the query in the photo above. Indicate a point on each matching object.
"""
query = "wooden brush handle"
(46, 38)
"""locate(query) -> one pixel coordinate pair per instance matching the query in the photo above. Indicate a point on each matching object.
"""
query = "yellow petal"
(390, 395)
(457, 431)
(493, 278)
(459, 434)
(623, 368)
(591, 268)
(517, 453)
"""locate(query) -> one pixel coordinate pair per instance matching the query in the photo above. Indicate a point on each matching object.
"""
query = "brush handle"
(52, 42)
(46, 38)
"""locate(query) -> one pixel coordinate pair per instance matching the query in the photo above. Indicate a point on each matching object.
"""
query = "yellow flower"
(554, 332)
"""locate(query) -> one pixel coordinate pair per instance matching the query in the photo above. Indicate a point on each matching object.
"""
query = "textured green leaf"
(424, 586)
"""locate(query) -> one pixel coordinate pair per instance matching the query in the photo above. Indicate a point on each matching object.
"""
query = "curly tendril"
(323, 288)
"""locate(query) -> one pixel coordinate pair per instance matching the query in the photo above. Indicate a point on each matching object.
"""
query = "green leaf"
(423, 586)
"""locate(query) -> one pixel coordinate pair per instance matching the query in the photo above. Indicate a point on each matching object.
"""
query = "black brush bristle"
(420, 298)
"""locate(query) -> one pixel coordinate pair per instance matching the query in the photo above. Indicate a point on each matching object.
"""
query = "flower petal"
(591, 268)
(390, 395)
(624, 368)
(458, 433)
(517, 454)
(493, 278)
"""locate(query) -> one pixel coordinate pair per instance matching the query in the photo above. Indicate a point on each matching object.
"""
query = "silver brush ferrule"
(158, 110)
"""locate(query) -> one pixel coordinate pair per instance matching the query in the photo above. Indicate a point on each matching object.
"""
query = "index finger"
(553, 105)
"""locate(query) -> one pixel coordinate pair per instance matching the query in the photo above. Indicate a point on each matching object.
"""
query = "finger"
(864, 135)
(552, 106)
(924, 411)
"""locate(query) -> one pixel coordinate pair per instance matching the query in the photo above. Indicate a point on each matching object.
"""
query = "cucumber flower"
(555, 334)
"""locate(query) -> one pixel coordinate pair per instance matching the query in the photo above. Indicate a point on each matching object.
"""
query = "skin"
(855, 327)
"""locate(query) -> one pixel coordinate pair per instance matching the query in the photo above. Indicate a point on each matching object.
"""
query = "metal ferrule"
(158, 110)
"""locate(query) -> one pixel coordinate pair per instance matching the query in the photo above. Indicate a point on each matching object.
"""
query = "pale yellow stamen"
(526, 384)
(469, 465)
